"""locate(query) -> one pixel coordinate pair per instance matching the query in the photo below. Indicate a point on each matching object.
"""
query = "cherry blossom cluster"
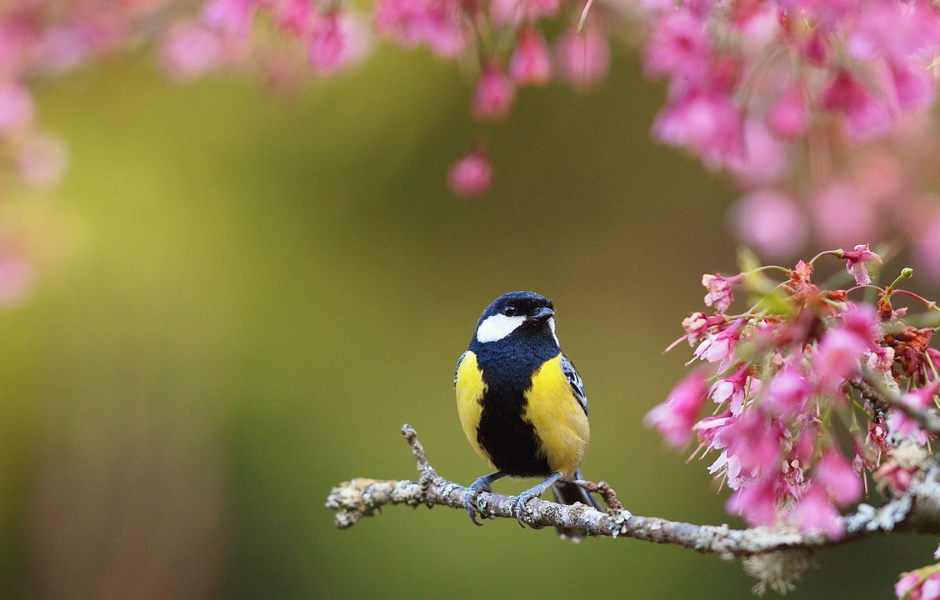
(800, 397)
(820, 110)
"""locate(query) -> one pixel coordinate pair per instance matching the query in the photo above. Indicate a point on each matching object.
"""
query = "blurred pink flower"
(764, 158)
(531, 63)
(788, 391)
(675, 417)
(770, 223)
(844, 216)
(471, 175)
(494, 95)
(927, 248)
(42, 160)
(707, 123)
(757, 504)
(512, 13)
(904, 588)
(865, 115)
(189, 51)
(789, 116)
(836, 475)
(680, 46)
(435, 24)
(837, 358)
(328, 44)
(229, 16)
(17, 280)
(583, 59)
(815, 513)
(16, 107)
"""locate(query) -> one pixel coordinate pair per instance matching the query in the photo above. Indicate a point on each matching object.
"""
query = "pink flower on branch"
(720, 290)
(675, 417)
(494, 95)
(470, 176)
(856, 263)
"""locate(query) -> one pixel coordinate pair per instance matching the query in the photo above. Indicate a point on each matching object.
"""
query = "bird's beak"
(543, 315)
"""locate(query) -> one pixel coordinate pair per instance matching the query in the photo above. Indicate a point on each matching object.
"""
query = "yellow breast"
(560, 423)
(470, 390)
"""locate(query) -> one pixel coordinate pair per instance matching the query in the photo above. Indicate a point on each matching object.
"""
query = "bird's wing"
(457, 370)
(574, 380)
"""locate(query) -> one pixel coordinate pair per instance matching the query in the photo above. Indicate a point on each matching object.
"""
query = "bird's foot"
(519, 508)
(483, 484)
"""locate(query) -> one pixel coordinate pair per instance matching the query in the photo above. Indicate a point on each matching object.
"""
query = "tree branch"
(916, 510)
(882, 399)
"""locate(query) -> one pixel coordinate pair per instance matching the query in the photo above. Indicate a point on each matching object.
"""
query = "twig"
(917, 510)
(882, 399)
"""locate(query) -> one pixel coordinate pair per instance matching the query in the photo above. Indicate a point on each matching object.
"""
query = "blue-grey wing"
(574, 380)
(457, 370)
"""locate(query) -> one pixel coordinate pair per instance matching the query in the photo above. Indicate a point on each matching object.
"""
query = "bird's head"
(517, 315)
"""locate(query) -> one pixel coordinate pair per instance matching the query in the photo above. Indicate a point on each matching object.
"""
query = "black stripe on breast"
(510, 441)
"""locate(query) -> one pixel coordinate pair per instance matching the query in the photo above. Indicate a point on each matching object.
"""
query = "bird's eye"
(509, 310)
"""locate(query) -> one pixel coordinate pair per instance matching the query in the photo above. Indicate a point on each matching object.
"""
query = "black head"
(516, 315)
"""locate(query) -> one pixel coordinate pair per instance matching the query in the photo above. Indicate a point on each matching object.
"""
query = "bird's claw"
(519, 508)
(470, 500)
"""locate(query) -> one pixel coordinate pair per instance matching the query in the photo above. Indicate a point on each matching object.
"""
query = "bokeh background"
(245, 296)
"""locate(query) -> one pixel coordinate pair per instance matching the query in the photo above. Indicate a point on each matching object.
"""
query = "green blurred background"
(246, 296)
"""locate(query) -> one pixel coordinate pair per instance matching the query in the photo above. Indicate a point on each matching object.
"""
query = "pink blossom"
(757, 505)
(707, 123)
(720, 290)
(435, 23)
(921, 398)
(836, 359)
(583, 59)
(770, 223)
(42, 160)
(734, 388)
(815, 513)
(16, 107)
(720, 348)
(866, 116)
(904, 588)
(844, 215)
(788, 391)
(471, 175)
(695, 326)
(511, 13)
(755, 440)
(789, 116)
(494, 95)
(856, 261)
(297, 16)
(913, 85)
(17, 280)
(862, 319)
(189, 51)
(531, 63)
(675, 417)
(229, 16)
(679, 46)
(838, 478)
(764, 158)
(927, 248)
(328, 44)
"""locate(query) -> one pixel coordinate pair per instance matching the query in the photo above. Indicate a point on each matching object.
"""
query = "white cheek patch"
(497, 327)
(551, 325)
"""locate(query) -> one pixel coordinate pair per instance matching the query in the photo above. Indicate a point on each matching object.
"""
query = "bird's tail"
(569, 493)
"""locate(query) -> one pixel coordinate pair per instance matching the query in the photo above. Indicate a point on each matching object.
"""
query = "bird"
(522, 404)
